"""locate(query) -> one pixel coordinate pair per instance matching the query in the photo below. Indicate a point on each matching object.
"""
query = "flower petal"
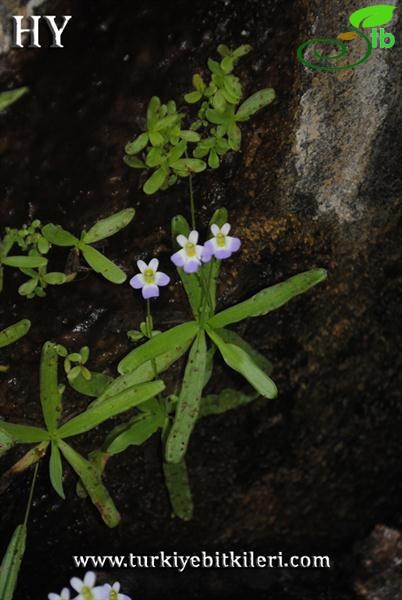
(76, 584)
(192, 265)
(137, 282)
(206, 254)
(233, 244)
(116, 586)
(142, 265)
(98, 593)
(178, 258)
(89, 579)
(154, 264)
(193, 237)
(198, 251)
(65, 594)
(225, 228)
(150, 291)
(215, 229)
(52, 596)
(181, 240)
(222, 253)
(161, 278)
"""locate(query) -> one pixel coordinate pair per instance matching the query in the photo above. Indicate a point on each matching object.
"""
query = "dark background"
(312, 472)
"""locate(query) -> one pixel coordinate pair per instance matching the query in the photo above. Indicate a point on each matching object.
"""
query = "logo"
(370, 17)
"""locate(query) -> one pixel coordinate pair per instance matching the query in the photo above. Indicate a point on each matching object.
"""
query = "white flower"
(86, 589)
(221, 245)
(112, 592)
(149, 279)
(189, 257)
(64, 595)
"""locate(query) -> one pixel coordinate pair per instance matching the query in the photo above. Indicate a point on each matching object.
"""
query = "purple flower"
(189, 257)
(149, 279)
(221, 245)
(86, 588)
(64, 595)
(112, 592)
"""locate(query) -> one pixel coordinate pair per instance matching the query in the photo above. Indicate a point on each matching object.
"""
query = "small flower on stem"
(86, 588)
(112, 592)
(221, 245)
(189, 257)
(64, 595)
(149, 279)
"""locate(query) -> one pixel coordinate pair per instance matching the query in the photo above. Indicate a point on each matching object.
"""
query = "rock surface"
(318, 184)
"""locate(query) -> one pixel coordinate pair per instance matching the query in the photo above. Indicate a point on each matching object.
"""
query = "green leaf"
(138, 432)
(269, 299)
(192, 97)
(92, 482)
(213, 160)
(93, 387)
(56, 470)
(217, 404)
(137, 145)
(25, 289)
(14, 332)
(110, 407)
(134, 162)
(189, 401)
(50, 396)
(100, 264)
(105, 228)
(6, 442)
(230, 337)
(24, 434)
(174, 340)
(178, 486)
(234, 136)
(190, 282)
(239, 360)
(58, 236)
(55, 278)
(11, 564)
(215, 116)
(242, 50)
(372, 16)
(254, 103)
(25, 262)
(155, 182)
(8, 98)
(189, 165)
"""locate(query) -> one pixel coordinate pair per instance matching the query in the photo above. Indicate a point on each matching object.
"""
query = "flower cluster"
(87, 590)
(190, 258)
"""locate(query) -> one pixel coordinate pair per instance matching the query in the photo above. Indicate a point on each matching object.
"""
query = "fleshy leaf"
(14, 332)
(50, 396)
(100, 264)
(254, 103)
(8, 98)
(178, 486)
(104, 228)
(137, 432)
(6, 442)
(155, 182)
(24, 434)
(58, 236)
(372, 16)
(25, 262)
(56, 470)
(227, 399)
(93, 387)
(11, 564)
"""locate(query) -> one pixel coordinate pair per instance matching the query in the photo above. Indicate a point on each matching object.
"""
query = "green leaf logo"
(372, 16)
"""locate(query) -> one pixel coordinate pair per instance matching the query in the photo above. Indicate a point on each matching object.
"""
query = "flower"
(112, 592)
(221, 245)
(189, 257)
(86, 589)
(64, 595)
(149, 279)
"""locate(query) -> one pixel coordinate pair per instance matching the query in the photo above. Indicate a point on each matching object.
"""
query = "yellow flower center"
(221, 239)
(86, 593)
(190, 249)
(149, 276)
(113, 595)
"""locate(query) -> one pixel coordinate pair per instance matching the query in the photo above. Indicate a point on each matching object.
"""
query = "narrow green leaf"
(192, 97)
(93, 387)
(25, 262)
(155, 182)
(55, 278)
(92, 482)
(50, 396)
(174, 340)
(178, 486)
(134, 162)
(56, 470)
(269, 299)
(137, 145)
(6, 442)
(105, 228)
(110, 407)
(239, 360)
(24, 434)
(25, 289)
(104, 266)
(14, 332)
(58, 236)
(189, 165)
(230, 337)
(138, 432)
(217, 404)
(11, 564)
(189, 401)
(254, 103)
(9, 98)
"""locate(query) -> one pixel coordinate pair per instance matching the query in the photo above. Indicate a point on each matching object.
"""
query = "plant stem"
(31, 493)
(192, 205)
